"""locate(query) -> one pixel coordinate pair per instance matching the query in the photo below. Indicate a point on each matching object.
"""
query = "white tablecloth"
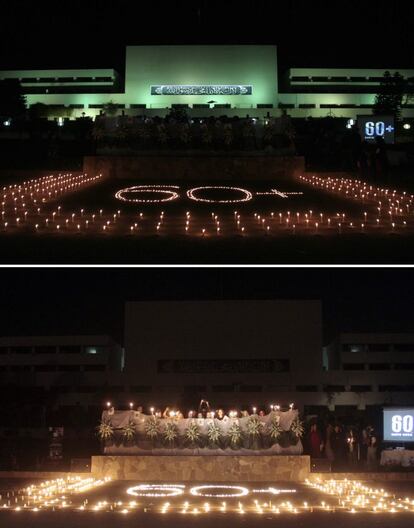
(397, 457)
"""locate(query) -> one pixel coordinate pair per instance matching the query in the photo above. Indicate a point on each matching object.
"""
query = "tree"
(389, 99)
(38, 110)
(12, 100)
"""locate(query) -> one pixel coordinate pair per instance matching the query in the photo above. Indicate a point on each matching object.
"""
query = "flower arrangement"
(275, 429)
(297, 428)
(192, 433)
(235, 434)
(105, 430)
(128, 431)
(253, 426)
(152, 427)
(170, 432)
(213, 433)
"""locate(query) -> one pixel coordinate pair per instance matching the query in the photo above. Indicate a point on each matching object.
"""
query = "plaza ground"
(312, 225)
(321, 509)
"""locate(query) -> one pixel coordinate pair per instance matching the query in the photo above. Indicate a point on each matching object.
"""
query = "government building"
(235, 354)
(206, 80)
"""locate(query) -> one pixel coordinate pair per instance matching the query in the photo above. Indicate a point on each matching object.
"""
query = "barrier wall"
(207, 167)
(202, 469)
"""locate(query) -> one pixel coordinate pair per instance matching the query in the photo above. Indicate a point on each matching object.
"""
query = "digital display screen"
(399, 425)
(371, 127)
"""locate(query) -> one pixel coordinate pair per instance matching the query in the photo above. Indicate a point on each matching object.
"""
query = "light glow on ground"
(104, 495)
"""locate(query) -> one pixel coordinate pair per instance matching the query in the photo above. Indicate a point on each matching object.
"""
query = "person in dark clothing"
(338, 447)
(352, 448)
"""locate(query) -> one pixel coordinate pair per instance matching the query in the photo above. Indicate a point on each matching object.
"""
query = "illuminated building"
(207, 80)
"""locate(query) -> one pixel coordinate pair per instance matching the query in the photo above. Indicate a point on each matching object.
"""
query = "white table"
(397, 457)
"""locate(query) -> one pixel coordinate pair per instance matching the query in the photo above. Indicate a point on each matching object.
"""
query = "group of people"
(177, 130)
(343, 447)
(204, 411)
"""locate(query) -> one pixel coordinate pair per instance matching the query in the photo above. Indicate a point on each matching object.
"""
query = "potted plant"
(192, 435)
(235, 436)
(214, 435)
(296, 430)
(274, 430)
(170, 434)
(254, 427)
(128, 434)
(105, 432)
(152, 429)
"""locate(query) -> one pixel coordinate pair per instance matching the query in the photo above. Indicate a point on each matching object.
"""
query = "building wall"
(57, 360)
(160, 337)
(201, 65)
(244, 336)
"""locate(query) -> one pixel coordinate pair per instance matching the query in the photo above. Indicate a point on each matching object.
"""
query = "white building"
(207, 80)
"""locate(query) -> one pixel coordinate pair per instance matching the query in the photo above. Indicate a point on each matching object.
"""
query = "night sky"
(93, 33)
(65, 301)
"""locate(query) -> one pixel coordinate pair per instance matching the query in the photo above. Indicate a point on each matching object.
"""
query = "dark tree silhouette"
(390, 96)
(12, 100)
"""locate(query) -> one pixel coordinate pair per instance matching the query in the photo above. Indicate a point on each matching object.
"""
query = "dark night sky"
(47, 301)
(93, 33)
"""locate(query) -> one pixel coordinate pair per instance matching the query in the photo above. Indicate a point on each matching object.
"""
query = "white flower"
(192, 432)
(170, 431)
(213, 432)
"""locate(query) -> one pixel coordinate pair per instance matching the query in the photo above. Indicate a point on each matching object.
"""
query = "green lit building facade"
(208, 80)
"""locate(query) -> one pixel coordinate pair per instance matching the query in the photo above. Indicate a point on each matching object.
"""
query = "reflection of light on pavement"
(274, 491)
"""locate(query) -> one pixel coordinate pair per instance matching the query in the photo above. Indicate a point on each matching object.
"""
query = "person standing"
(315, 442)
(372, 452)
(328, 447)
(352, 449)
(337, 445)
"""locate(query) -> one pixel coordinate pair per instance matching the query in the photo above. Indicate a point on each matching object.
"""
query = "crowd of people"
(177, 130)
(344, 448)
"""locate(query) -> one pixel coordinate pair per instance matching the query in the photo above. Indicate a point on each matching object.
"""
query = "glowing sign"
(372, 127)
(201, 89)
(399, 425)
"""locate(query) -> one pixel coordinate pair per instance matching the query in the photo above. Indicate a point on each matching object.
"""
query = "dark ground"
(292, 249)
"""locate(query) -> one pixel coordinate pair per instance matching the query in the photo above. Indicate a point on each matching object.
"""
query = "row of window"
(378, 366)
(52, 368)
(283, 106)
(336, 79)
(378, 347)
(51, 349)
(190, 389)
(368, 388)
(24, 80)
